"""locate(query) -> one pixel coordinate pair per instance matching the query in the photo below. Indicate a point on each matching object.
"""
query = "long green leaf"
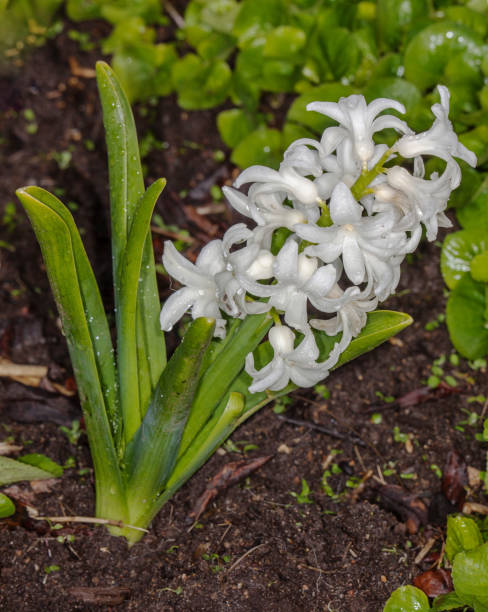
(16, 471)
(381, 325)
(92, 304)
(131, 394)
(126, 188)
(205, 444)
(61, 253)
(152, 453)
(218, 377)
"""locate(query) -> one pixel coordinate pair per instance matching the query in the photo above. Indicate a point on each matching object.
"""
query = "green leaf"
(200, 83)
(449, 601)
(381, 325)
(394, 88)
(465, 317)
(15, 471)
(393, 17)
(43, 463)
(342, 52)
(133, 392)
(479, 267)
(468, 17)
(86, 331)
(217, 380)
(256, 18)
(470, 577)
(436, 45)
(311, 119)
(47, 213)
(205, 444)
(458, 251)
(475, 214)
(262, 146)
(7, 506)
(151, 455)
(234, 125)
(462, 534)
(126, 189)
(407, 599)
(284, 42)
(145, 70)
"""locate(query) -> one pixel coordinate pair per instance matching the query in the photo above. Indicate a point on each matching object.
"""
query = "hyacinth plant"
(274, 307)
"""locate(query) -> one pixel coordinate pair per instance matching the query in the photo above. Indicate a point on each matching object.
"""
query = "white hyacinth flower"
(299, 280)
(286, 180)
(269, 214)
(200, 295)
(428, 198)
(440, 140)
(358, 121)
(366, 244)
(350, 318)
(296, 364)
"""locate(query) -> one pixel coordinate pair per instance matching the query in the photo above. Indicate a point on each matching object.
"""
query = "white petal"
(353, 260)
(175, 307)
(344, 208)
(286, 264)
(183, 270)
(211, 259)
(281, 339)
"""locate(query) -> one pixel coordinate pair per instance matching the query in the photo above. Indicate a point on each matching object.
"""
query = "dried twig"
(173, 13)
(251, 550)
(87, 519)
(330, 432)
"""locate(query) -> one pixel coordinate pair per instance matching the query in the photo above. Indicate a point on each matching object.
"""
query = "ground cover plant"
(426, 355)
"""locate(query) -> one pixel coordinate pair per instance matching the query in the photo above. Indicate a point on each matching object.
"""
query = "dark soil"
(255, 547)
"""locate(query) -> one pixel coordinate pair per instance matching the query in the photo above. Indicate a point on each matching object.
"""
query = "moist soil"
(258, 545)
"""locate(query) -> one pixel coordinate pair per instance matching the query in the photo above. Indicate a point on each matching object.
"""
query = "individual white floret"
(428, 198)
(350, 318)
(200, 294)
(368, 245)
(296, 364)
(265, 209)
(440, 140)
(358, 122)
(286, 180)
(299, 280)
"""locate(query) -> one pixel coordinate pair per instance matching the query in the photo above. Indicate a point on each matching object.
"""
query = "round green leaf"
(465, 317)
(468, 17)
(479, 267)
(428, 53)
(256, 18)
(407, 599)
(234, 125)
(200, 84)
(462, 534)
(458, 251)
(7, 506)
(317, 122)
(342, 52)
(470, 577)
(394, 16)
(285, 42)
(474, 215)
(263, 146)
(394, 88)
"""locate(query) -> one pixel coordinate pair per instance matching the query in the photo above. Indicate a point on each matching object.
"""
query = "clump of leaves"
(467, 551)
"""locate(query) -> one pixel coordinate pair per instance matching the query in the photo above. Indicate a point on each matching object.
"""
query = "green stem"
(360, 187)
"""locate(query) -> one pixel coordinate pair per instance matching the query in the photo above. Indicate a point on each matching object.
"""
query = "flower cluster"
(351, 214)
